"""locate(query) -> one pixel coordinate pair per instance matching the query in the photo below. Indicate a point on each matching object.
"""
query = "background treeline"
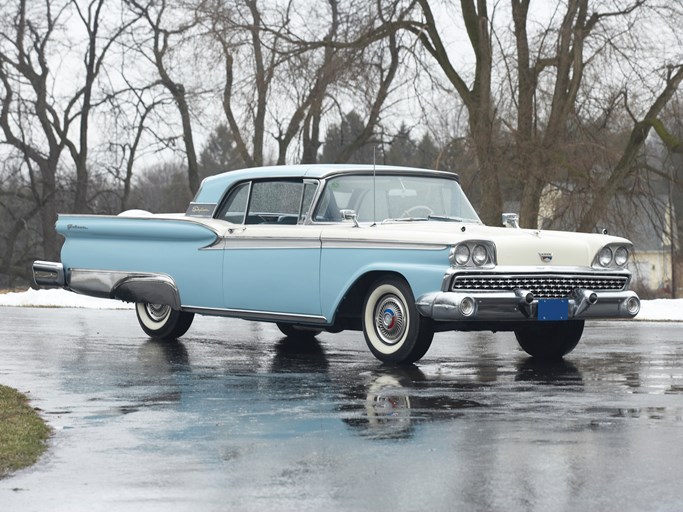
(568, 111)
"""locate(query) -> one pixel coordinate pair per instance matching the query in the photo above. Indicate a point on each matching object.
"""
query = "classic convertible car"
(398, 253)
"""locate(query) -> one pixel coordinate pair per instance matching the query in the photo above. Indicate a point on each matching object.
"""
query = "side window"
(275, 202)
(236, 205)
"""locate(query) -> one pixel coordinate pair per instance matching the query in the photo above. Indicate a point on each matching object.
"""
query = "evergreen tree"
(402, 148)
(339, 136)
(219, 154)
(426, 153)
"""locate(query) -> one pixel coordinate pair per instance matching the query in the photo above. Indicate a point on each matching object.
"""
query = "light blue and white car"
(398, 253)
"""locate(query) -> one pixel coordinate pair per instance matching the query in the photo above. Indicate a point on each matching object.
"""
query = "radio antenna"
(374, 186)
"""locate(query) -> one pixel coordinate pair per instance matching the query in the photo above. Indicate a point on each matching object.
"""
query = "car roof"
(213, 187)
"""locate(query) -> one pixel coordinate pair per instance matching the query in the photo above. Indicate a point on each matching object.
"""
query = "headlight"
(605, 257)
(612, 256)
(621, 256)
(462, 254)
(479, 255)
(473, 253)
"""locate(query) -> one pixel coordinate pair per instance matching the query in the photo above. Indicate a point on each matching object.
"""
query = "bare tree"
(277, 71)
(159, 45)
(23, 61)
(82, 100)
(638, 136)
(477, 96)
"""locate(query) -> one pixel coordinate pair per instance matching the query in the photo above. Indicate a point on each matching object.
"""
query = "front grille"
(546, 286)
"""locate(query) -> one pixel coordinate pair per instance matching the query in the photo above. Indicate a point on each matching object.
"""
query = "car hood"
(528, 247)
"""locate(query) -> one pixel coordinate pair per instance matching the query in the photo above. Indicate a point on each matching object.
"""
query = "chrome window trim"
(370, 172)
(304, 216)
(294, 179)
(226, 196)
(314, 205)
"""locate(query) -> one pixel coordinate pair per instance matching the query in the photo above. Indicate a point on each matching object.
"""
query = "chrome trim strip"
(266, 316)
(391, 171)
(343, 243)
(245, 242)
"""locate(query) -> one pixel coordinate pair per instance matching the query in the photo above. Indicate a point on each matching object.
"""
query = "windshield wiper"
(445, 218)
(405, 219)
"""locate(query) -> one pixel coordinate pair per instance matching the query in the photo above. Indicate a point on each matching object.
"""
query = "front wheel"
(162, 321)
(394, 330)
(549, 340)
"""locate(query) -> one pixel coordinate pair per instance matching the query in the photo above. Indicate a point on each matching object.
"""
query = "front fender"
(342, 268)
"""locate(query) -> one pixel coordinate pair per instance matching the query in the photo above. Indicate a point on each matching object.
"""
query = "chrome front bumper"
(521, 305)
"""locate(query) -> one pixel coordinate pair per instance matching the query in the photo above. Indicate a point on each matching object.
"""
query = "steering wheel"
(410, 212)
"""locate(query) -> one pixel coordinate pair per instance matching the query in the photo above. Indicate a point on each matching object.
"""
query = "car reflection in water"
(393, 401)
(376, 402)
(559, 373)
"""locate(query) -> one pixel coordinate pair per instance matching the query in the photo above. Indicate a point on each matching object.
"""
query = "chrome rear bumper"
(146, 287)
(48, 273)
(522, 305)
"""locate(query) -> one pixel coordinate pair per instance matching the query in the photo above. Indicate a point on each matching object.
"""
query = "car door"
(271, 261)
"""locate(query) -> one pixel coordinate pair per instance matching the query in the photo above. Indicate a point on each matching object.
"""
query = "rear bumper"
(146, 287)
(521, 305)
(48, 273)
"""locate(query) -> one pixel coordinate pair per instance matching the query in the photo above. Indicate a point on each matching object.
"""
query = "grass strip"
(23, 433)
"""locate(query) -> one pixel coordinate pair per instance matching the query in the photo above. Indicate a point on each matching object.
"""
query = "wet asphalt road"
(237, 417)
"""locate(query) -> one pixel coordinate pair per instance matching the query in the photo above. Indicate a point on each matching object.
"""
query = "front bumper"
(521, 305)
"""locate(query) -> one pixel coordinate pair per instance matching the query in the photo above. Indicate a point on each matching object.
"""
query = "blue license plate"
(553, 309)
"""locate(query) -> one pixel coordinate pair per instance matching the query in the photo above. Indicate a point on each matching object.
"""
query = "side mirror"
(350, 215)
(511, 220)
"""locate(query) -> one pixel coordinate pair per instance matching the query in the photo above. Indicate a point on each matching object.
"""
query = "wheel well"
(348, 315)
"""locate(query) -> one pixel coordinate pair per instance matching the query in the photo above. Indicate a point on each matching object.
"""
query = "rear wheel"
(549, 340)
(394, 330)
(162, 321)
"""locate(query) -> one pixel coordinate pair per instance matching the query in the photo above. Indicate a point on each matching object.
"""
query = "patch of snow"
(663, 310)
(58, 298)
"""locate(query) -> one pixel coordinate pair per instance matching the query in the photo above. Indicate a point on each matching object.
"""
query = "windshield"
(399, 198)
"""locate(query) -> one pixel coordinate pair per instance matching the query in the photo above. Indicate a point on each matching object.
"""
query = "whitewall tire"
(162, 321)
(393, 328)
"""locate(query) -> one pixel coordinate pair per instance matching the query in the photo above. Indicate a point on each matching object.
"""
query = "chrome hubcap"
(157, 312)
(390, 319)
